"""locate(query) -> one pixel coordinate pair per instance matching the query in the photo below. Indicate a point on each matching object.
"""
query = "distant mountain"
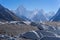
(34, 15)
(56, 17)
(38, 16)
(21, 10)
(23, 13)
(49, 15)
(7, 15)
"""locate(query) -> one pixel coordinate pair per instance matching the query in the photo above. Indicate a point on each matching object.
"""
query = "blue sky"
(47, 5)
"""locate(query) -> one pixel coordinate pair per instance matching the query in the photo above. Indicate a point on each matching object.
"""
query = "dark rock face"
(36, 35)
(31, 35)
(45, 33)
(7, 15)
(56, 17)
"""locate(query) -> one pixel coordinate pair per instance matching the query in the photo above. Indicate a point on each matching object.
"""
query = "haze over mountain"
(21, 10)
(38, 15)
(49, 15)
(34, 15)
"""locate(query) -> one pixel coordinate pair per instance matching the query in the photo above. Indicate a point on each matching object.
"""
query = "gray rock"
(31, 35)
(50, 38)
(45, 33)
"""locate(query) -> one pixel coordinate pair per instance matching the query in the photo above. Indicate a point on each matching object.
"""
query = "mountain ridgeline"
(35, 15)
(22, 14)
(7, 15)
(56, 17)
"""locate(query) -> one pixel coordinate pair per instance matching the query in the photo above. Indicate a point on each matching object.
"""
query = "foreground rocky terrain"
(13, 27)
(22, 31)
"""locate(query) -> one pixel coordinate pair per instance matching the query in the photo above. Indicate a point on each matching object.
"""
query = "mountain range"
(22, 14)
(39, 16)
(34, 15)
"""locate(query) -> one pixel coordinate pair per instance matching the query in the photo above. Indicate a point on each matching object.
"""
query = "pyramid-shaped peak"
(21, 7)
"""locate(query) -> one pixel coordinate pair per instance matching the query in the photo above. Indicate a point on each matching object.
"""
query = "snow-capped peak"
(21, 7)
(21, 10)
(38, 15)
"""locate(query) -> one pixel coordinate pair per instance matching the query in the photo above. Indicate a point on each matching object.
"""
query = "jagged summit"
(39, 16)
(34, 15)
